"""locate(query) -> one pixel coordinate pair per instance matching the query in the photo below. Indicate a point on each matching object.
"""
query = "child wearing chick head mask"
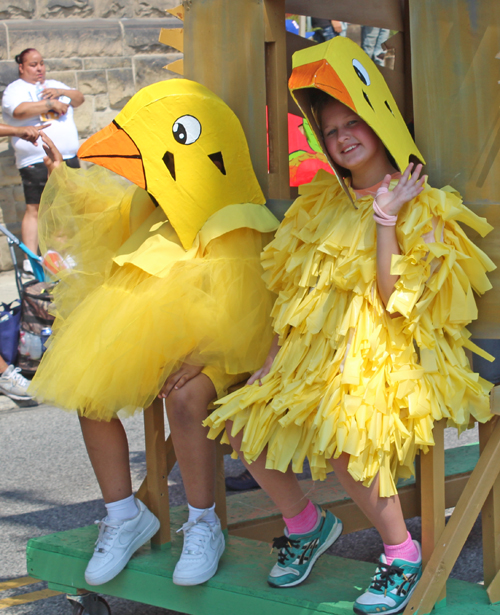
(165, 298)
(368, 266)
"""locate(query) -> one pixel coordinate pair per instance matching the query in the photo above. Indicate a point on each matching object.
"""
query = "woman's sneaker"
(299, 552)
(118, 540)
(203, 546)
(391, 587)
(14, 385)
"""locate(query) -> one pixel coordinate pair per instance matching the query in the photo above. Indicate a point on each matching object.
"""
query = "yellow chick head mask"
(343, 70)
(184, 145)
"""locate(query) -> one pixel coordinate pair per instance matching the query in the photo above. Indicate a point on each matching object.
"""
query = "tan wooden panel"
(378, 13)
(224, 50)
(488, 323)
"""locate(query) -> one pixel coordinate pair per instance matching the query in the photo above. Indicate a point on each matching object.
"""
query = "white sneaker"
(14, 385)
(117, 542)
(203, 546)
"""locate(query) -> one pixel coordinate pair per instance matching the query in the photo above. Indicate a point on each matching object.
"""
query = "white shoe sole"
(119, 565)
(204, 576)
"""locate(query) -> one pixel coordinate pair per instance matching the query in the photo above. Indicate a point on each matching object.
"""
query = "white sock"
(123, 509)
(209, 516)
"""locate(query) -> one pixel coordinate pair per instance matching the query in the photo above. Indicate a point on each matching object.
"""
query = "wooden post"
(157, 471)
(432, 495)
(220, 487)
(277, 99)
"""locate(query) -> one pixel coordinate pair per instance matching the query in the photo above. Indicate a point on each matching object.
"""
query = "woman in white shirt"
(32, 100)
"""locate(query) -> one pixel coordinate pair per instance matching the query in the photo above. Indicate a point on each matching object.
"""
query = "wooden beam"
(459, 526)
(490, 516)
(377, 13)
(156, 467)
(277, 99)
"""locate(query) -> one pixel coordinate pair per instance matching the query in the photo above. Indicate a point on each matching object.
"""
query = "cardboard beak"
(113, 149)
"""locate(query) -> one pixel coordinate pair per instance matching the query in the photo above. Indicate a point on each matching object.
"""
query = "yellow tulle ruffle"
(119, 330)
(349, 378)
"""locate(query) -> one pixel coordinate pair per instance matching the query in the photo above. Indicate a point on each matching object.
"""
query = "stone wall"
(108, 49)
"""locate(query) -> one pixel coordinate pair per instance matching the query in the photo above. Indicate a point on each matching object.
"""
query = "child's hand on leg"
(391, 201)
(179, 378)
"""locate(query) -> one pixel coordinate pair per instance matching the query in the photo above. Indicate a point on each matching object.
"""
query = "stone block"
(18, 9)
(101, 102)
(18, 193)
(104, 63)
(5, 259)
(104, 118)
(149, 69)
(66, 8)
(114, 8)
(153, 8)
(121, 86)
(94, 37)
(4, 48)
(84, 118)
(141, 35)
(59, 64)
(66, 77)
(8, 74)
(92, 81)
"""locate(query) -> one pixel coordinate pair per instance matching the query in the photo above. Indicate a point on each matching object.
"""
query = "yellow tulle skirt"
(120, 331)
(348, 378)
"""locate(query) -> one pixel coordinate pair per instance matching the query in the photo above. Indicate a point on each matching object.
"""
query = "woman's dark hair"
(20, 58)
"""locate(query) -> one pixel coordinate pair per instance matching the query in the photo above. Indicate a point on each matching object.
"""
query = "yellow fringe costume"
(136, 305)
(348, 378)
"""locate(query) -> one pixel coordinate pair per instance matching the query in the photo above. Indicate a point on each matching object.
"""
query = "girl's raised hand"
(407, 188)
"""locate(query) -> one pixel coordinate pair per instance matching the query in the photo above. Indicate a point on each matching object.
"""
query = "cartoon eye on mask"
(186, 130)
(361, 72)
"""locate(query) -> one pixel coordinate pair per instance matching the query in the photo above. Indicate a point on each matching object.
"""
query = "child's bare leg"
(385, 513)
(283, 488)
(107, 447)
(186, 409)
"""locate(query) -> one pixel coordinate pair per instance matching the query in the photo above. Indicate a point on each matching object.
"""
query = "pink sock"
(303, 522)
(406, 550)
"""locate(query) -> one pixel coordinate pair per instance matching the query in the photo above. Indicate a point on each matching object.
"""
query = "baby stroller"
(35, 297)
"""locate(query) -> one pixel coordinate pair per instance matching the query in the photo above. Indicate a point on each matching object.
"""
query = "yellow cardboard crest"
(184, 145)
(342, 69)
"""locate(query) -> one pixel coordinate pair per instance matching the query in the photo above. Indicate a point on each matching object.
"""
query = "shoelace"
(384, 574)
(16, 378)
(195, 535)
(285, 546)
(107, 532)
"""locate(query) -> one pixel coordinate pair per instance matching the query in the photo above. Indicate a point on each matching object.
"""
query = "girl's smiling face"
(349, 140)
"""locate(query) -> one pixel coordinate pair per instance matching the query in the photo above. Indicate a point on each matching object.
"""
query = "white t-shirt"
(62, 131)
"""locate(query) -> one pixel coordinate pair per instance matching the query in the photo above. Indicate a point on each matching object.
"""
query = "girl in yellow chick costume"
(165, 298)
(374, 279)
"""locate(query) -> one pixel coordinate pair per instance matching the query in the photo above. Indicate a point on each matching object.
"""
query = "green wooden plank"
(239, 584)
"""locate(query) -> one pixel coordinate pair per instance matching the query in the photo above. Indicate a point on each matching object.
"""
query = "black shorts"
(35, 177)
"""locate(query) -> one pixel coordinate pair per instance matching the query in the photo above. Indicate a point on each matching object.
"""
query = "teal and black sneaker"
(298, 552)
(391, 587)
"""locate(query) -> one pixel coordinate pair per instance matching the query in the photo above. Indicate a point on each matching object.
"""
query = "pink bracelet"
(379, 214)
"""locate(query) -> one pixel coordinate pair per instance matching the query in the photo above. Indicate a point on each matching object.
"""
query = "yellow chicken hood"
(342, 69)
(184, 145)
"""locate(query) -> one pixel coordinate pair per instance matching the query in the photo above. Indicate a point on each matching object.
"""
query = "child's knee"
(182, 406)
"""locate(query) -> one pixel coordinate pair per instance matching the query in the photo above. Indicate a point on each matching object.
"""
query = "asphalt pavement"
(47, 485)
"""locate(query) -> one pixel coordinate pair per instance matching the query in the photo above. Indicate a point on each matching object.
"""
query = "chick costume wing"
(147, 290)
(348, 378)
